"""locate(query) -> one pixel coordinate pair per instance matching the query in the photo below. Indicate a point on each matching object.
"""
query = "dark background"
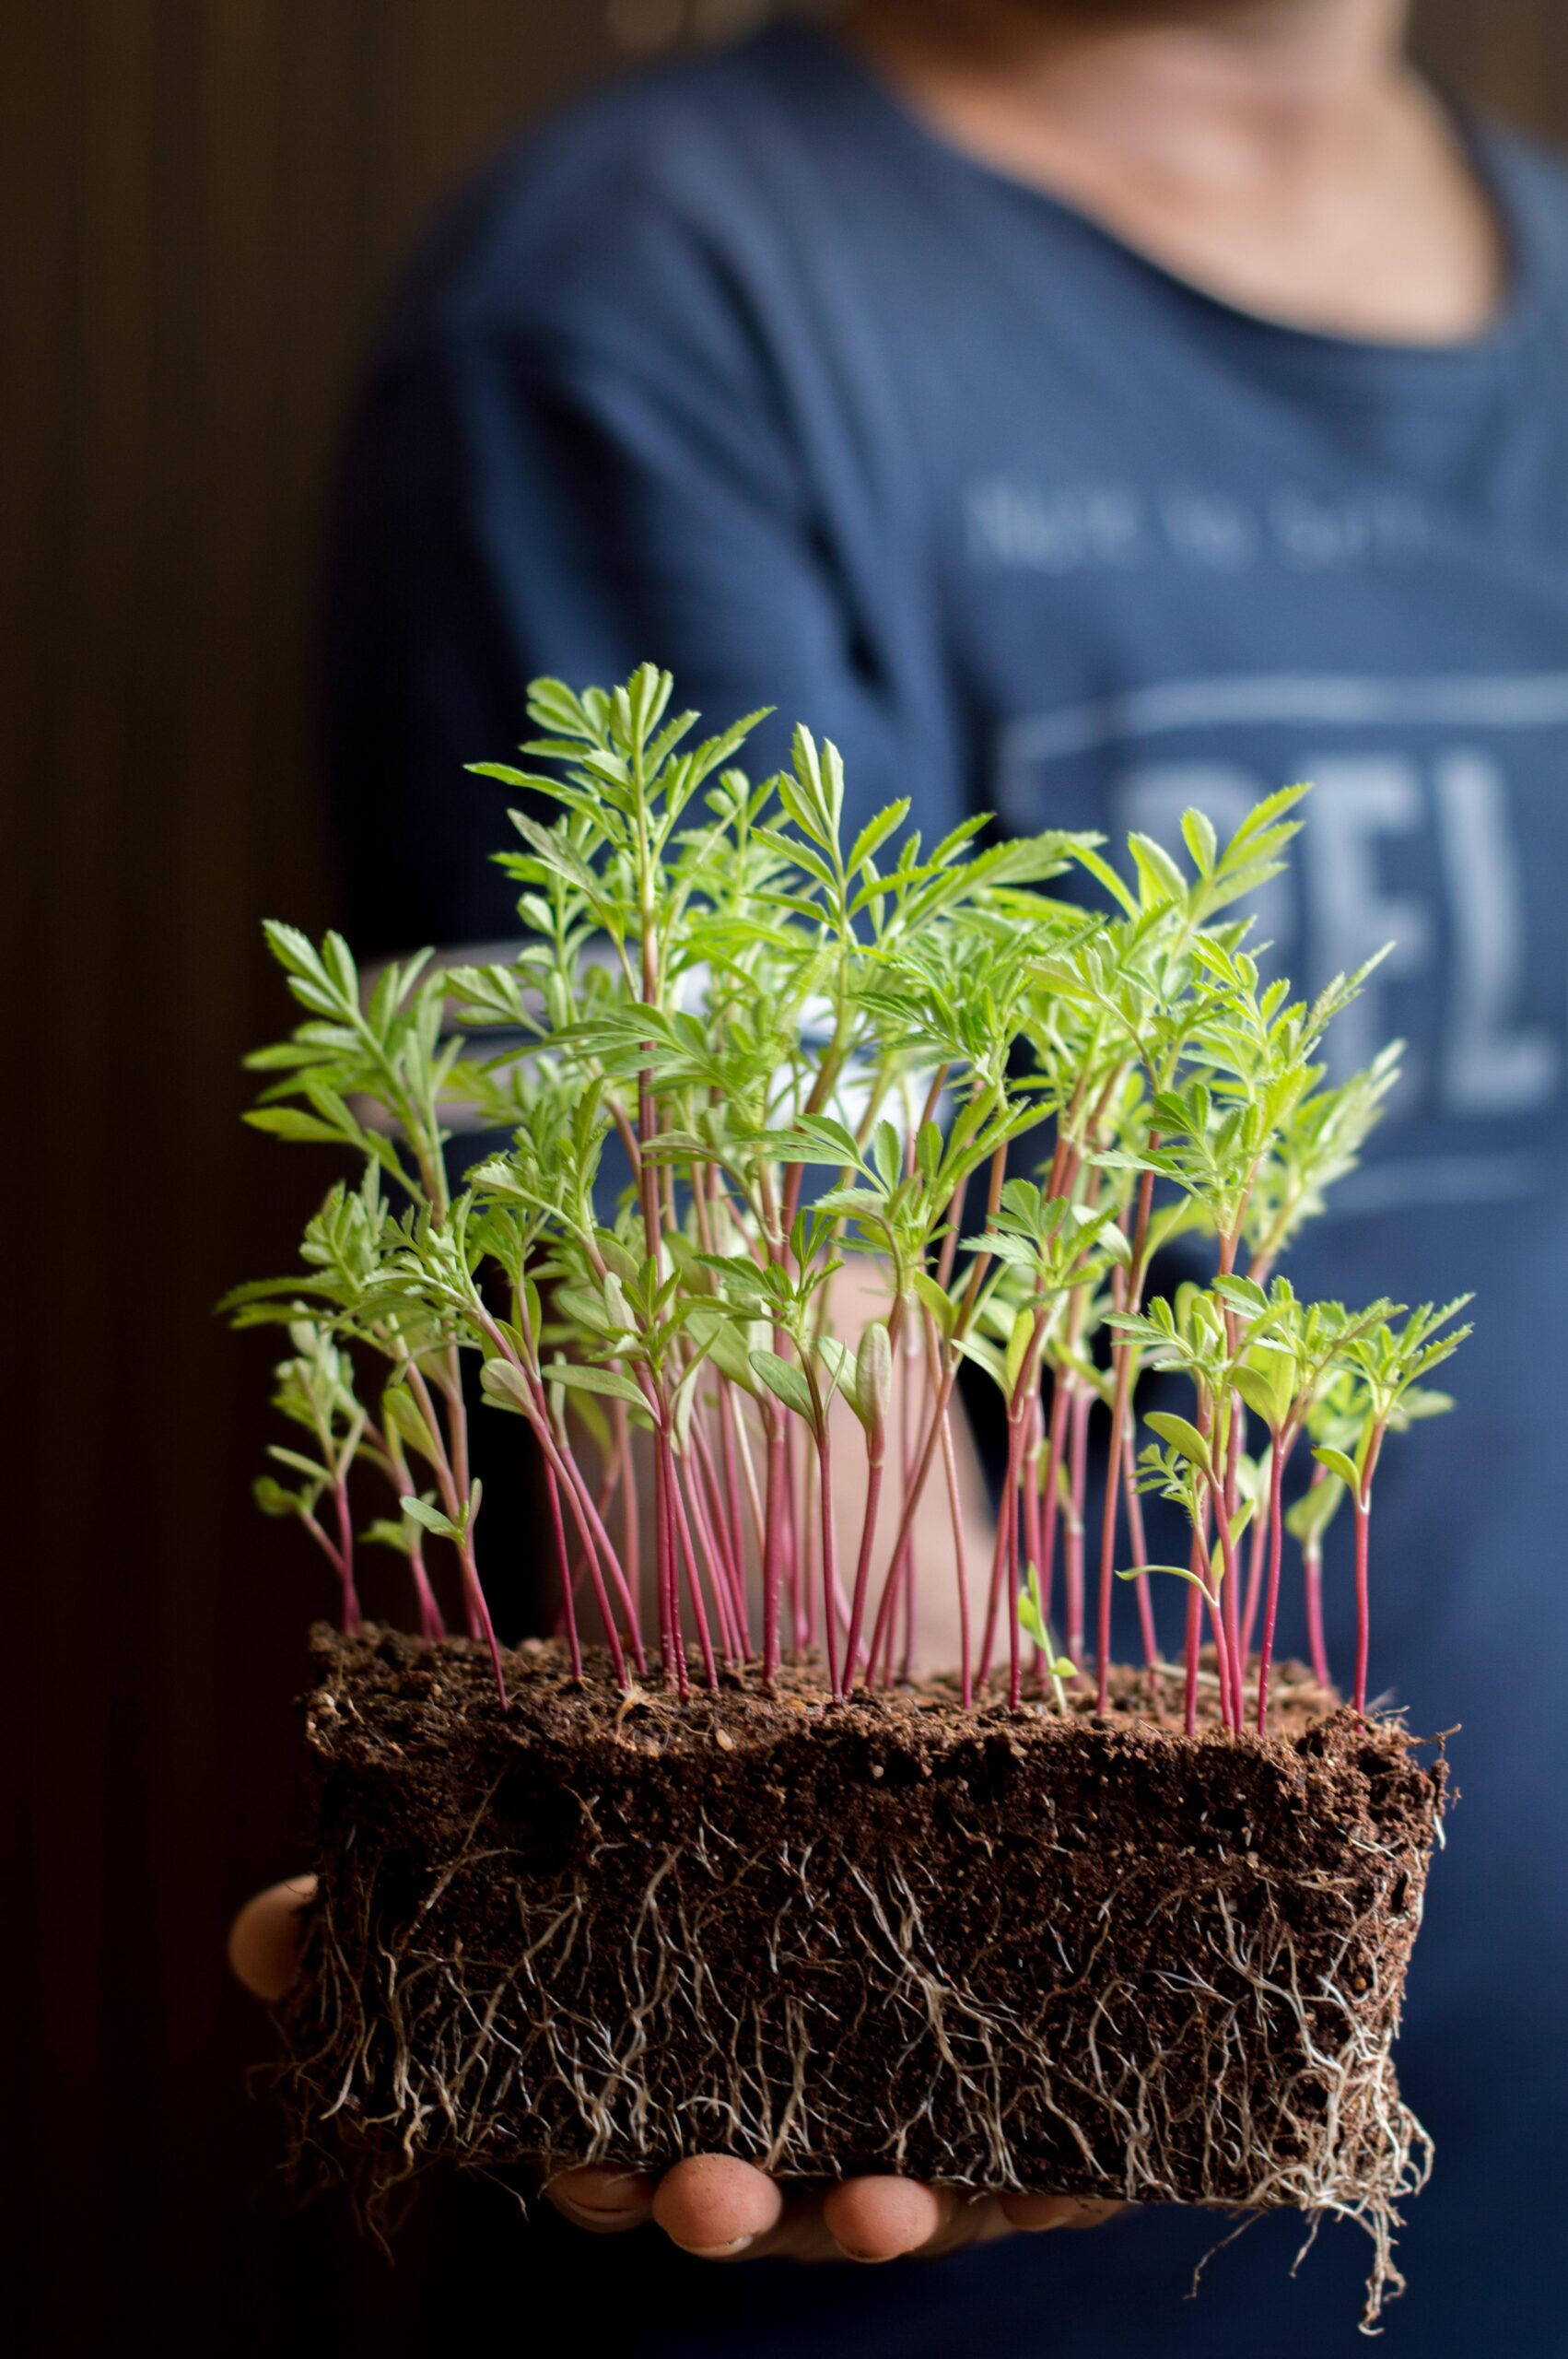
(204, 203)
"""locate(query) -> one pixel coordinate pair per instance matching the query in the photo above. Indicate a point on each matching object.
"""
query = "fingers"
(1034, 2213)
(606, 2201)
(879, 2219)
(263, 1941)
(716, 2207)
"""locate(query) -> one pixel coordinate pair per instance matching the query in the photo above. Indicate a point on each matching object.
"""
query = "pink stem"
(723, 1539)
(693, 1578)
(772, 1562)
(1311, 1567)
(1139, 1552)
(960, 1560)
(569, 1603)
(1364, 1617)
(863, 1570)
(352, 1620)
(1232, 1600)
(907, 1436)
(1060, 1402)
(710, 1555)
(631, 1536)
(1256, 1562)
(432, 1628)
(1194, 1641)
(480, 1612)
(829, 1553)
(1277, 1459)
(737, 1534)
(1109, 1522)
(1078, 1470)
(1033, 1446)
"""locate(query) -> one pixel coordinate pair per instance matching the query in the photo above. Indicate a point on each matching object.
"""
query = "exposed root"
(1224, 2057)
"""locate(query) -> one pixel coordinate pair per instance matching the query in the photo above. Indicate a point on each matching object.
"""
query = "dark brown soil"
(1099, 1957)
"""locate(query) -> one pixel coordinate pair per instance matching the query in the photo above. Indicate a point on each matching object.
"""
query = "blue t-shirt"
(743, 370)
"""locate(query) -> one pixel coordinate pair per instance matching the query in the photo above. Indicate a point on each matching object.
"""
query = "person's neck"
(1217, 92)
(1280, 153)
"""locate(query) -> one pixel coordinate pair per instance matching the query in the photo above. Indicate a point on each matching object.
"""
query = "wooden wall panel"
(203, 201)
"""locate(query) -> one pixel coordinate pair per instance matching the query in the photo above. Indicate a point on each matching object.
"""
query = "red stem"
(699, 1611)
(960, 1560)
(1078, 1467)
(1001, 1558)
(1194, 1643)
(706, 1491)
(1140, 1551)
(1277, 1458)
(432, 1628)
(1109, 1522)
(1364, 1616)
(1060, 1402)
(830, 1553)
(772, 1564)
(352, 1620)
(1257, 1560)
(569, 1603)
(1312, 1567)
(864, 1569)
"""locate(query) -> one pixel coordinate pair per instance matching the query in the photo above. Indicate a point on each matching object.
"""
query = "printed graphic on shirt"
(1038, 528)
(1434, 823)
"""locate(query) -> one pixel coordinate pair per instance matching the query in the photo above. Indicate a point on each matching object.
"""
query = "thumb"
(263, 1941)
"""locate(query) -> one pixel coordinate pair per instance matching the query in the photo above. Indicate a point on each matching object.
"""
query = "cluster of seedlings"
(790, 1050)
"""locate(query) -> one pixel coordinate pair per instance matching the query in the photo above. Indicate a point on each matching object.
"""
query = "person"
(1077, 409)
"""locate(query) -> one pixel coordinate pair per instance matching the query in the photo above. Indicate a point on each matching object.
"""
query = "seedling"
(809, 1043)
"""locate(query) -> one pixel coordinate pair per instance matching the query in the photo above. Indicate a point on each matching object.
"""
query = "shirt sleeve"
(520, 501)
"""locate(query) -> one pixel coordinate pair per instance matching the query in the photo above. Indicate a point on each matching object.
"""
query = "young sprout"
(1032, 1616)
(1387, 1365)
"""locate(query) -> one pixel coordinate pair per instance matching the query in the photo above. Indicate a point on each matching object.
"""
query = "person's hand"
(712, 2205)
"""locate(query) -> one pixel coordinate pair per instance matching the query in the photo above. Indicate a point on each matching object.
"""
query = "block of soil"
(1091, 1955)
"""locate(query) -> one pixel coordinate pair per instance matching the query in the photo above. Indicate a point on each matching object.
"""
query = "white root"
(1269, 2084)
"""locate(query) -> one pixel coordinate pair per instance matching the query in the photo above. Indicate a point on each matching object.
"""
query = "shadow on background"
(207, 199)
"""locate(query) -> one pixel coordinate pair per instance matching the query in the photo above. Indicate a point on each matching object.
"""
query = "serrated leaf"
(1197, 834)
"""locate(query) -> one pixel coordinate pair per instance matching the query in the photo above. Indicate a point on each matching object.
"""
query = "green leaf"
(1309, 1517)
(936, 1299)
(873, 1377)
(1018, 1346)
(1182, 1572)
(1260, 1395)
(785, 1381)
(1183, 1438)
(578, 1376)
(1345, 1467)
(273, 1499)
(839, 1362)
(1197, 834)
(421, 1512)
(875, 832)
(293, 1123)
(1163, 880)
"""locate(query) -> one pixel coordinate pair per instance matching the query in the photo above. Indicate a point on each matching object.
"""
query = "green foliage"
(813, 1039)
